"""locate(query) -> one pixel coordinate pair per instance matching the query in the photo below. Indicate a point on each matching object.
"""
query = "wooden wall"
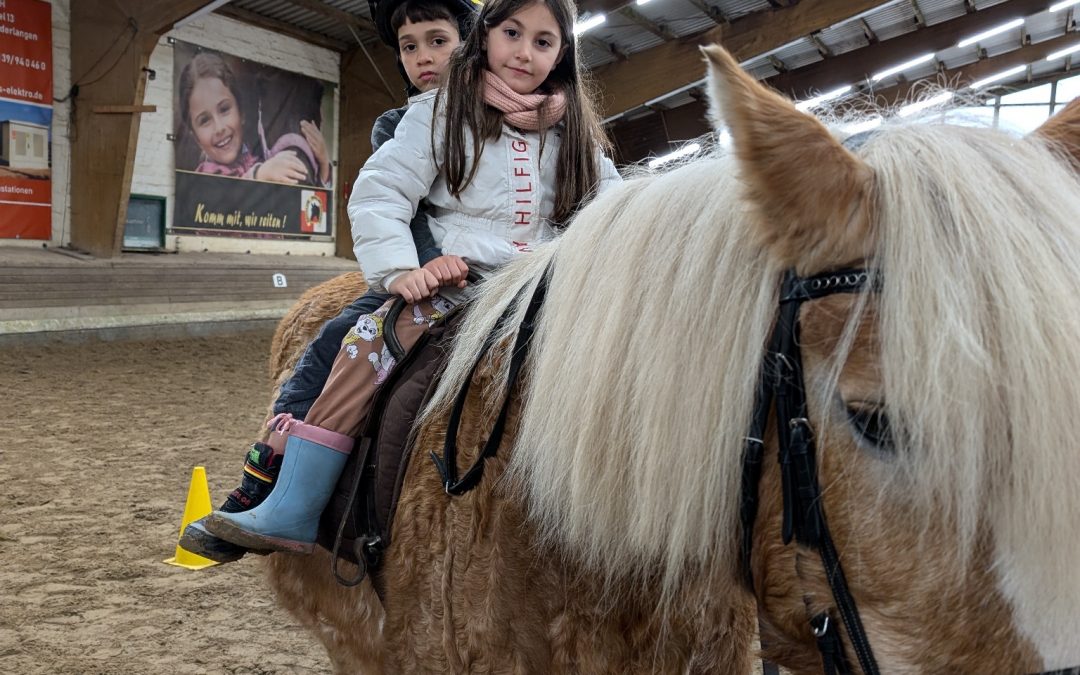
(363, 98)
(111, 42)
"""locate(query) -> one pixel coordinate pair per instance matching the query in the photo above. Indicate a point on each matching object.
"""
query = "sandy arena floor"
(95, 456)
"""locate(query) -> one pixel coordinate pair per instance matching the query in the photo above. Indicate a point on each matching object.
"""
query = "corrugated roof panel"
(844, 37)
(689, 25)
(354, 7)
(678, 16)
(680, 99)
(626, 35)
(892, 20)
(798, 54)
(1042, 67)
(983, 4)
(1010, 38)
(309, 20)
(733, 9)
(936, 11)
(998, 47)
(600, 59)
(1046, 25)
(760, 68)
(954, 57)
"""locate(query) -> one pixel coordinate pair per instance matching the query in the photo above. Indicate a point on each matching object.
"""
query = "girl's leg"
(318, 448)
(296, 396)
(364, 362)
(303, 387)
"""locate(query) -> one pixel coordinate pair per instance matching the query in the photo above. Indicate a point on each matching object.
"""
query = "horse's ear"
(812, 192)
(1063, 130)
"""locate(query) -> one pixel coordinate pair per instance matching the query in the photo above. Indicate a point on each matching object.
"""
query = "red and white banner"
(26, 95)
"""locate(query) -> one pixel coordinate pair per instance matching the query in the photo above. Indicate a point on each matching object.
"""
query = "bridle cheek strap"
(782, 388)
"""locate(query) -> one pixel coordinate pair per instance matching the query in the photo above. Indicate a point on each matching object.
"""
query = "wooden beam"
(857, 65)
(339, 15)
(639, 137)
(640, 19)
(658, 71)
(961, 77)
(283, 28)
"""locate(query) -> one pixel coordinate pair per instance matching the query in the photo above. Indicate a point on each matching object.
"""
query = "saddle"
(356, 522)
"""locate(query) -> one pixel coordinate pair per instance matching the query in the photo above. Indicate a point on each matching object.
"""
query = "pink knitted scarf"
(530, 112)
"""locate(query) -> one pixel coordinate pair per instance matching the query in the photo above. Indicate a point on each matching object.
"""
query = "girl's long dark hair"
(577, 169)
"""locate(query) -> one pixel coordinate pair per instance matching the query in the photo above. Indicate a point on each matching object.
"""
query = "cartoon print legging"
(364, 363)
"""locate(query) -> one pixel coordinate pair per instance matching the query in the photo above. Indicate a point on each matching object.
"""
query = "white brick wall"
(61, 143)
(154, 157)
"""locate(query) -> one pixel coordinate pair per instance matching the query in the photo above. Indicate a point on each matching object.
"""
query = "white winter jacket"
(504, 211)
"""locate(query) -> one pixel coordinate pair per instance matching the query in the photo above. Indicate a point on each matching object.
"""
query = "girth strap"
(447, 464)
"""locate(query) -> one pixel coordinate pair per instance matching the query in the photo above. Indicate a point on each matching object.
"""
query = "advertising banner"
(254, 148)
(26, 94)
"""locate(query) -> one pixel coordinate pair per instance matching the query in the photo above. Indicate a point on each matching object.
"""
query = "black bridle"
(782, 383)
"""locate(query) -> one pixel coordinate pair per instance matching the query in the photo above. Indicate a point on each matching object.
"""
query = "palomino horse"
(606, 534)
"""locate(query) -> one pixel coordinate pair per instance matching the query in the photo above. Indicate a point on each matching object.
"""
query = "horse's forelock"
(980, 321)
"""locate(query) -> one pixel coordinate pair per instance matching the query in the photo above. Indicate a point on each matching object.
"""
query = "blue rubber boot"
(261, 467)
(288, 520)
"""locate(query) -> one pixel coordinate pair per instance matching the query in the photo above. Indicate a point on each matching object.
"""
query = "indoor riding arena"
(854, 453)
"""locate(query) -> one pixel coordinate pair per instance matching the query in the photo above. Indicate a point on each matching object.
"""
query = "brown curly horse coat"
(467, 587)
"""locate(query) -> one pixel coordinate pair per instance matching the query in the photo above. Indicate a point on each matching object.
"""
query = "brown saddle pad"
(361, 510)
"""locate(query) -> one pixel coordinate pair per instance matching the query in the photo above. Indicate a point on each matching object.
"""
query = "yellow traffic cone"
(197, 506)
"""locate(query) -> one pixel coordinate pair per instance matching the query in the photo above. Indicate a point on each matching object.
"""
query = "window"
(1067, 90)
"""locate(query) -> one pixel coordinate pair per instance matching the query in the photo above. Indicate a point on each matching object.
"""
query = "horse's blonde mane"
(641, 382)
(643, 369)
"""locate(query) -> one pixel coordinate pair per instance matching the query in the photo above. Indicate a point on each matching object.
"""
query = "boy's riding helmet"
(466, 12)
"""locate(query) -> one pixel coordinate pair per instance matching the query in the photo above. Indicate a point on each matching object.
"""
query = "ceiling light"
(863, 125)
(681, 152)
(1057, 7)
(1008, 25)
(588, 24)
(1064, 52)
(919, 106)
(811, 103)
(904, 66)
(1000, 76)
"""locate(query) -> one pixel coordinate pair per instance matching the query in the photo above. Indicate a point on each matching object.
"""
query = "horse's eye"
(871, 427)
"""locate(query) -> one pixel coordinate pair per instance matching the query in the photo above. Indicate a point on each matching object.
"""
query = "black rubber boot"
(260, 472)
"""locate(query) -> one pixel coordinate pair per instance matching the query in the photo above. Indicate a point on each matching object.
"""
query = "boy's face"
(425, 49)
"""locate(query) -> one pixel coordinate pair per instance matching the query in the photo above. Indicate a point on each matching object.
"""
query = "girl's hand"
(318, 146)
(450, 270)
(284, 167)
(415, 285)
